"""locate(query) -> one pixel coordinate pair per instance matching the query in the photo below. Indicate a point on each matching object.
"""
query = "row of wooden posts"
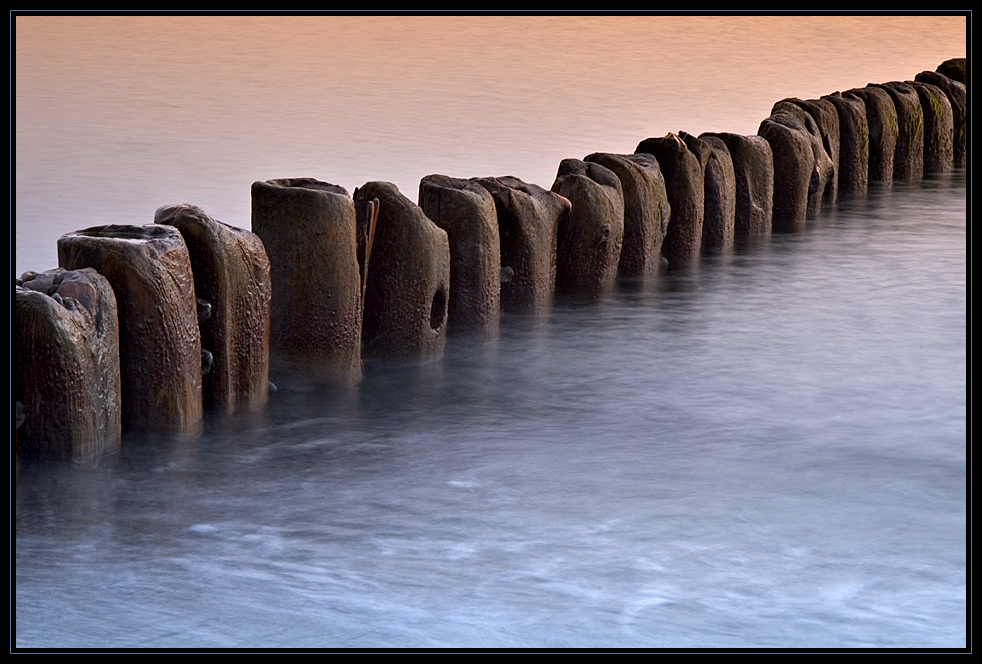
(147, 327)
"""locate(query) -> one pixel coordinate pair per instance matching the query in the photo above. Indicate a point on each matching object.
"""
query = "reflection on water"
(765, 450)
(117, 116)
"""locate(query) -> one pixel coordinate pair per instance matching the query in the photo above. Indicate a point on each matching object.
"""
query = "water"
(767, 450)
(116, 116)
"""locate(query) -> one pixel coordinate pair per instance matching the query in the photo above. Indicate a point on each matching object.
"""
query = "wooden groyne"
(150, 327)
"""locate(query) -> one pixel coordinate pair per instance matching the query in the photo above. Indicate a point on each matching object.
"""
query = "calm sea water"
(116, 116)
(766, 450)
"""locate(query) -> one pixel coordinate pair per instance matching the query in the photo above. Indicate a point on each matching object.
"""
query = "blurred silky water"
(765, 450)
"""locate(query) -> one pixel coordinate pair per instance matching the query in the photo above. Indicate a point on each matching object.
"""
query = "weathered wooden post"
(528, 219)
(231, 273)
(408, 289)
(826, 120)
(958, 98)
(646, 211)
(794, 168)
(881, 119)
(684, 174)
(719, 202)
(465, 211)
(149, 270)
(589, 238)
(822, 168)
(908, 158)
(753, 169)
(67, 376)
(853, 170)
(939, 128)
(308, 229)
(955, 69)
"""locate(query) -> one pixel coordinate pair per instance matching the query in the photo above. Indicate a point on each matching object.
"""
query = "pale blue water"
(768, 450)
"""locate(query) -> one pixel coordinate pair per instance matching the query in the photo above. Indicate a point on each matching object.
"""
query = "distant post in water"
(908, 158)
(528, 217)
(958, 98)
(821, 168)
(684, 173)
(826, 120)
(588, 243)
(798, 177)
(646, 211)
(939, 128)
(881, 119)
(753, 170)
(719, 201)
(465, 210)
(853, 170)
